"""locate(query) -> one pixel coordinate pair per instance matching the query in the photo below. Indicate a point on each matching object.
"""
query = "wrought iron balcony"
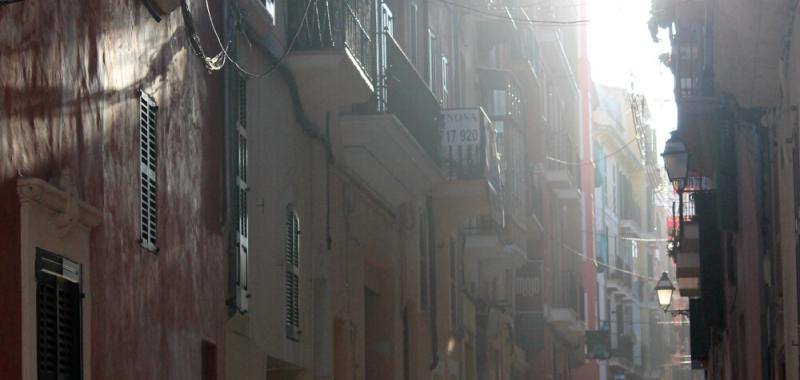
(529, 330)
(623, 352)
(337, 24)
(562, 165)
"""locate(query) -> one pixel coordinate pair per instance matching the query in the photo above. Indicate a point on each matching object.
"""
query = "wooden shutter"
(58, 317)
(292, 275)
(241, 188)
(147, 178)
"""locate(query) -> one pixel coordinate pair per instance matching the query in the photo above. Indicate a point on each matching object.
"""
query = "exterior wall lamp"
(664, 290)
(676, 163)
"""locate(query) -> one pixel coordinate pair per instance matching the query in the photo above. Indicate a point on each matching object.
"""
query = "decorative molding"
(71, 211)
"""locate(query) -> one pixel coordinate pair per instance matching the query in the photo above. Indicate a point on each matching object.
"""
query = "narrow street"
(399, 189)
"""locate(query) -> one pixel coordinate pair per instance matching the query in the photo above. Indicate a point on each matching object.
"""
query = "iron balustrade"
(624, 349)
(338, 24)
(562, 154)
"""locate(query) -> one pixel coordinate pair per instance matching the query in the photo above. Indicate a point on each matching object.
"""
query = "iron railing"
(624, 349)
(337, 24)
(562, 154)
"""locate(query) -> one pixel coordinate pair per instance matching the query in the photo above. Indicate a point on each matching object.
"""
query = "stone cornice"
(69, 208)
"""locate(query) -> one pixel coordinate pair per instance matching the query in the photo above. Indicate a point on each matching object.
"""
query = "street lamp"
(676, 163)
(664, 290)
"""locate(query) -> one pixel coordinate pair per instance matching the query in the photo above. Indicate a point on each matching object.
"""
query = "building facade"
(302, 189)
(630, 225)
(112, 237)
(737, 259)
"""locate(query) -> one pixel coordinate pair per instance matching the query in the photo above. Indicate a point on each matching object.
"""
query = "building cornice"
(69, 208)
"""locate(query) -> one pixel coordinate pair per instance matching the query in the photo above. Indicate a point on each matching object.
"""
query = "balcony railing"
(337, 24)
(632, 211)
(624, 278)
(624, 349)
(562, 154)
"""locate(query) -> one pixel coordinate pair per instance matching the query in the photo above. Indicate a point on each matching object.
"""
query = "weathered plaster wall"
(365, 255)
(68, 79)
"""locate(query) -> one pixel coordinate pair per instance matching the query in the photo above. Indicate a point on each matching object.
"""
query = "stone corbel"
(68, 209)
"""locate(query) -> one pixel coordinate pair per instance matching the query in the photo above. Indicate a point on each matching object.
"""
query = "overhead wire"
(596, 262)
(590, 162)
(211, 63)
(515, 19)
(280, 60)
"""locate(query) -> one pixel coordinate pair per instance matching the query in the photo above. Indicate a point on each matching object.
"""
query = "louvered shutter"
(242, 227)
(58, 318)
(292, 276)
(147, 163)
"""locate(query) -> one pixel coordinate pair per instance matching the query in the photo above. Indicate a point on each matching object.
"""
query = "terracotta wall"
(69, 75)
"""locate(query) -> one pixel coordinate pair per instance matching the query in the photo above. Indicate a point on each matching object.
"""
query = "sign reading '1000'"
(462, 127)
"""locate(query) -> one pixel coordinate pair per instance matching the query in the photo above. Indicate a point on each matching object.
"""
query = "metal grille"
(147, 161)
(292, 273)
(58, 319)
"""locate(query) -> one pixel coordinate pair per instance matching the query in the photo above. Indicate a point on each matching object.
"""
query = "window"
(292, 275)
(387, 28)
(147, 177)
(453, 282)
(240, 191)
(688, 86)
(444, 81)
(58, 317)
(431, 59)
(413, 32)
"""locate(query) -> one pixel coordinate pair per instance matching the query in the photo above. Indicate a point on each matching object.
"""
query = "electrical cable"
(279, 61)
(514, 19)
(596, 262)
(211, 63)
(591, 162)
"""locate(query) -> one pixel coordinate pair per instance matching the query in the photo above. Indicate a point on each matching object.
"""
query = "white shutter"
(292, 275)
(147, 176)
(444, 81)
(242, 226)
